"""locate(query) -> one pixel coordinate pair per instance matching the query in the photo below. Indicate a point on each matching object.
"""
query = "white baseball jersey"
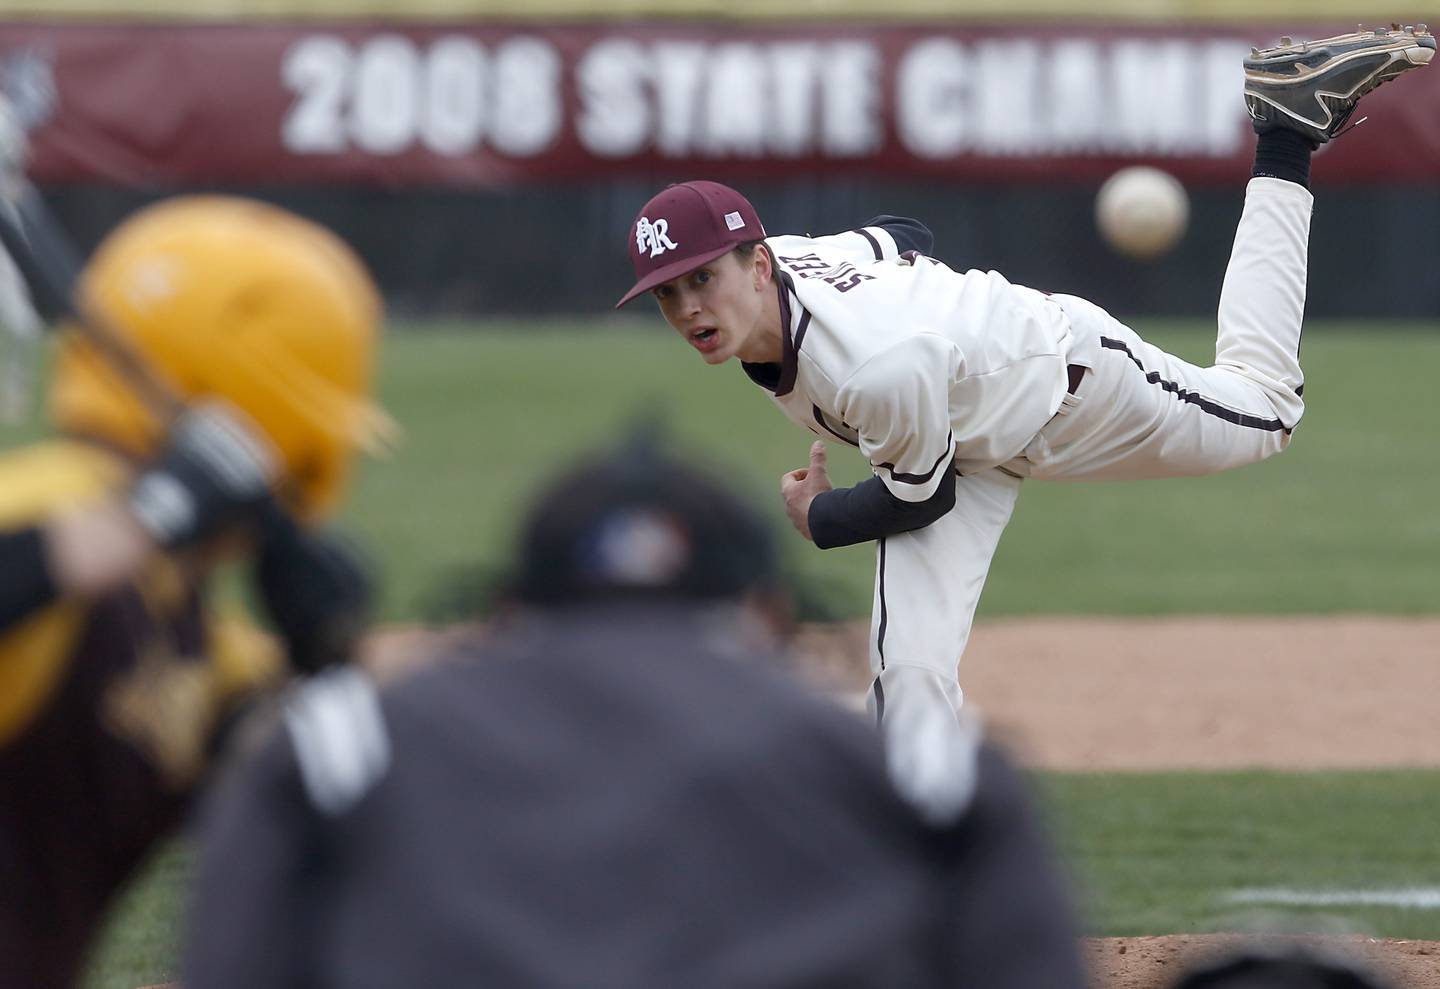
(911, 361)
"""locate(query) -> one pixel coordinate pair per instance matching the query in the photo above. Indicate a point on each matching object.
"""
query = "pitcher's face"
(719, 307)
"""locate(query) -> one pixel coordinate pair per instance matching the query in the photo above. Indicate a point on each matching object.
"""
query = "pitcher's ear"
(764, 266)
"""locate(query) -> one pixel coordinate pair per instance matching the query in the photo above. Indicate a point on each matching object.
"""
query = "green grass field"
(1344, 521)
(1158, 853)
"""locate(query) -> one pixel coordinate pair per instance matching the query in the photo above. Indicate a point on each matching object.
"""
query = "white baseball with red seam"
(1142, 212)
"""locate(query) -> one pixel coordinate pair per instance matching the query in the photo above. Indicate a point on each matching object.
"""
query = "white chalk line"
(1417, 898)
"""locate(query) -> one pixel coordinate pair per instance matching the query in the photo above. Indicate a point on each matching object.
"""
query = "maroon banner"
(486, 106)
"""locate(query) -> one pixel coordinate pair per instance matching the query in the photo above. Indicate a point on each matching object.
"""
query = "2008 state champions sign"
(495, 105)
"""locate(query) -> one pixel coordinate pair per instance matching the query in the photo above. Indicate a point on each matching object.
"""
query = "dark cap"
(685, 226)
(638, 523)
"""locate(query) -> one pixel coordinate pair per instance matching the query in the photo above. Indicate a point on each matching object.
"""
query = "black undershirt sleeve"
(868, 511)
(908, 234)
(25, 582)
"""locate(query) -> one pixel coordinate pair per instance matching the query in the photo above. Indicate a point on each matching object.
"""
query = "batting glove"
(215, 472)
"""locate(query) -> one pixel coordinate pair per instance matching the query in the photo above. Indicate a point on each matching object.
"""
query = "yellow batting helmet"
(238, 300)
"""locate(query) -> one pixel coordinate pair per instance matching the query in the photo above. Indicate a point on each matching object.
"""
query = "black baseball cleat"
(1313, 86)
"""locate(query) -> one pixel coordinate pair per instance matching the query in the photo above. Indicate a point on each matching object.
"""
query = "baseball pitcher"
(956, 386)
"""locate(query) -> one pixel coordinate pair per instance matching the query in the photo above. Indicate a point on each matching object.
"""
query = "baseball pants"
(1137, 412)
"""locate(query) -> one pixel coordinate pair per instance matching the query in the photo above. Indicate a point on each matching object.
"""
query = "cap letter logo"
(653, 236)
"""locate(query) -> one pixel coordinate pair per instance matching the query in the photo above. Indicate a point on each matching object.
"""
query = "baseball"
(1142, 211)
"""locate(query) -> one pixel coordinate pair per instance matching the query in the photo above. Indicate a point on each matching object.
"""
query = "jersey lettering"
(842, 277)
(806, 262)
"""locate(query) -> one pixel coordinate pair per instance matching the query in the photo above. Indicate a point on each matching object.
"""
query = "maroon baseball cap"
(684, 227)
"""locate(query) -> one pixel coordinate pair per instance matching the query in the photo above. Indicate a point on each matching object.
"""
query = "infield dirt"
(1155, 962)
(1194, 693)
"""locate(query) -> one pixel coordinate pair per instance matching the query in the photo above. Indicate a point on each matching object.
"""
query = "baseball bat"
(50, 266)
